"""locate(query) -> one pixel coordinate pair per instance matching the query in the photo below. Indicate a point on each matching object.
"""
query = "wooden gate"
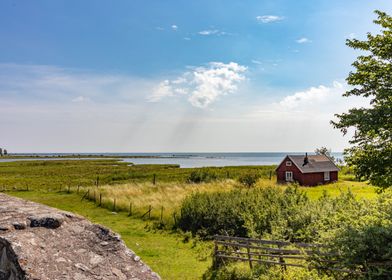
(273, 253)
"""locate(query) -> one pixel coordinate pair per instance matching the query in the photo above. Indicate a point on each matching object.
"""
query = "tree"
(5, 152)
(324, 151)
(370, 153)
(1, 152)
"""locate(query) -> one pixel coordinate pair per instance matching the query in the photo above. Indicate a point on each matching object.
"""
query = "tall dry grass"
(142, 195)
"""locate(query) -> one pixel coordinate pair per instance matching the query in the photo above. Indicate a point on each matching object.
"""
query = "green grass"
(163, 251)
(56, 174)
(359, 189)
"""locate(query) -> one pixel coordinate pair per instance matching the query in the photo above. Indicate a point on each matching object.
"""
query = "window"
(289, 176)
(288, 163)
(326, 176)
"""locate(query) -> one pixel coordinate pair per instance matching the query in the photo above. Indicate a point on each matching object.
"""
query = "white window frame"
(327, 176)
(288, 163)
(289, 176)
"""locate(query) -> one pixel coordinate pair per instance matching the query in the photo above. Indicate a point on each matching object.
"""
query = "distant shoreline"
(75, 156)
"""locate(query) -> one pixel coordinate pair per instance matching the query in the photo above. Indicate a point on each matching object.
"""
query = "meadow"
(118, 195)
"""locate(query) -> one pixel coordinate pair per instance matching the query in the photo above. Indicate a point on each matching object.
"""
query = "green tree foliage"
(357, 233)
(1, 152)
(324, 151)
(203, 175)
(249, 179)
(364, 241)
(371, 150)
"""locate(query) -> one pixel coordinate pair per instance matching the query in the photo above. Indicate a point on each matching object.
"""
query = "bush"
(246, 213)
(364, 240)
(202, 176)
(263, 272)
(249, 179)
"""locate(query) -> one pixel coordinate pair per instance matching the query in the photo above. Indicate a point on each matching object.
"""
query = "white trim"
(289, 176)
(288, 163)
(327, 176)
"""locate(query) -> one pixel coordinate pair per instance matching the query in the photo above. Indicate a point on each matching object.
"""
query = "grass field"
(163, 250)
(55, 174)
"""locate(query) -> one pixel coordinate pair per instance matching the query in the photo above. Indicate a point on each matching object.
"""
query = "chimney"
(306, 160)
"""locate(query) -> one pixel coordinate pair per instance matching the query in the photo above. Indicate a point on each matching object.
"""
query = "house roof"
(316, 163)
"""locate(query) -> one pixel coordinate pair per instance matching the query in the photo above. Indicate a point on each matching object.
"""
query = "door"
(289, 176)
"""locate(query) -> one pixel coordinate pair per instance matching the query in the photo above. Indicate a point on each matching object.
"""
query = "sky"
(177, 76)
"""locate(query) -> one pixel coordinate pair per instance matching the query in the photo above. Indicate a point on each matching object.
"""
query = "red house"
(307, 170)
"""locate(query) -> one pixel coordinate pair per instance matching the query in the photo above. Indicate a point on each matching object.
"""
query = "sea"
(186, 160)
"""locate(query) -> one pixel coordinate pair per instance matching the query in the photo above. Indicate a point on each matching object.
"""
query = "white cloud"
(209, 32)
(320, 102)
(40, 83)
(163, 89)
(187, 38)
(312, 96)
(269, 18)
(80, 99)
(255, 61)
(352, 36)
(303, 40)
(174, 27)
(202, 85)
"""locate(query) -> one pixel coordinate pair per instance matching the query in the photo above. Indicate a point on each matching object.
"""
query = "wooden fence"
(228, 248)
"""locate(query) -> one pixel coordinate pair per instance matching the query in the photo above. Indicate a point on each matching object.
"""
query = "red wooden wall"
(306, 179)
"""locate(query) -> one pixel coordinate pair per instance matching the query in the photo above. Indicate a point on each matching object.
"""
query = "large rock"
(39, 242)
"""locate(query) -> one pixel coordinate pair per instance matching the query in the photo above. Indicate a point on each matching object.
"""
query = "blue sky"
(149, 76)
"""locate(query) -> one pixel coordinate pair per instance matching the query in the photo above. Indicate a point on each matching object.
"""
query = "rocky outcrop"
(39, 242)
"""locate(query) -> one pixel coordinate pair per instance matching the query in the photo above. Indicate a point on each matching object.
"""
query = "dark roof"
(317, 163)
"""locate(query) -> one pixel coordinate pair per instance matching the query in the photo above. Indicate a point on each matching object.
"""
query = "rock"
(46, 221)
(82, 267)
(119, 274)
(58, 245)
(95, 259)
(3, 228)
(19, 226)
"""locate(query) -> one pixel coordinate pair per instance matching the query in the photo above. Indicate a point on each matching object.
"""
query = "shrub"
(364, 240)
(250, 212)
(202, 176)
(263, 272)
(249, 179)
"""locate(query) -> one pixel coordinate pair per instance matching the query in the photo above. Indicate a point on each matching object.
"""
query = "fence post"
(114, 205)
(161, 214)
(281, 260)
(149, 212)
(87, 194)
(249, 255)
(270, 175)
(97, 182)
(154, 179)
(69, 189)
(78, 188)
(216, 261)
(130, 209)
(175, 219)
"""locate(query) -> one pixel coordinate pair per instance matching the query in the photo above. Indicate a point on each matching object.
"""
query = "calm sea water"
(187, 160)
